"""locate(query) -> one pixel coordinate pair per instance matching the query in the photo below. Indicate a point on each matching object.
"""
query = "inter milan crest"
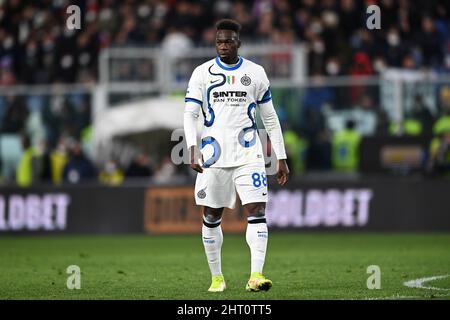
(201, 194)
(245, 80)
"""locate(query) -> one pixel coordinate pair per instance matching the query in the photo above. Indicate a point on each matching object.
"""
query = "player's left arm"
(272, 124)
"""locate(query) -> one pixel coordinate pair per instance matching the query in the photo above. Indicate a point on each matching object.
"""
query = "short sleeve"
(264, 95)
(194, 92)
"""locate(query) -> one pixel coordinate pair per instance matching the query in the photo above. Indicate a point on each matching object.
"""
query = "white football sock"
(212, 240)
(257, 236)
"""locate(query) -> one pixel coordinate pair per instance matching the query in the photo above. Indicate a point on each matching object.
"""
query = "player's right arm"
(193, 103)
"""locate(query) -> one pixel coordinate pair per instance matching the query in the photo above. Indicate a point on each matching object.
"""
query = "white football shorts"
(216, 187)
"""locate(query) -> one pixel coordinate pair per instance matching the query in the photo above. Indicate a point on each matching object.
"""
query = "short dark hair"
(350, 124)
(228, 24)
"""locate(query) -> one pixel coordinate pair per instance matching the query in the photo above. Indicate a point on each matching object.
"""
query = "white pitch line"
(419, 283)
(394, 297)
(397, 297)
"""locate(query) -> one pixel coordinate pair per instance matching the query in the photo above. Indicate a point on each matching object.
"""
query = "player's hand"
(283, 172)
(196, 155)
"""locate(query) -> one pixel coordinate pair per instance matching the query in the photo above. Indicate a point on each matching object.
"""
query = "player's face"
(227, 44)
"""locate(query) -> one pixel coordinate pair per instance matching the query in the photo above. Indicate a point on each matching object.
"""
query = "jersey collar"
(219, 63)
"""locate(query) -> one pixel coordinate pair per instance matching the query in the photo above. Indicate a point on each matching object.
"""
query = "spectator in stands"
(394, 50)
(139, 167)
(78, 169)
(30, 68)
(389, 9)
(362, 66)
(445, 67)
(66, 64)
(365, 112)
(333, 66)
(430, 43)
(86, 139)
(60, 118)
(282, 61)
(439, 152)
(264, 29)
(34, 126)
(379, 65)
(174, 45)
(28, 169)
(421, 112)
(165, 171)
(346, 145)
(317, 56)
(443, 122)
(296, 149)
(58, 160)
(111, 174)
(382, 126)
(418, 121)
(16, 115)
(86, 56)
(439, 159)
(45, 162)
(349, 16)
(318, 96)
(10, 155)
(241, 13)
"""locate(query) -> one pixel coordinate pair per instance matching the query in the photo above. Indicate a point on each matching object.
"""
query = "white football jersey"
(229, 96)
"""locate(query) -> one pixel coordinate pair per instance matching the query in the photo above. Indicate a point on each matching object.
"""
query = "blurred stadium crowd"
(37, 48)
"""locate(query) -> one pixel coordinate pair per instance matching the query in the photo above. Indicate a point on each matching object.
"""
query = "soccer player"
(227, 90)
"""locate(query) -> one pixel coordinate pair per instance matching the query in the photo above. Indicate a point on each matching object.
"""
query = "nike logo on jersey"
(264, 193)
(214, 81)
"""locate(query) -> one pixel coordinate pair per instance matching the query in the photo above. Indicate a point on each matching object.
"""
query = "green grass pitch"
(301, 265)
